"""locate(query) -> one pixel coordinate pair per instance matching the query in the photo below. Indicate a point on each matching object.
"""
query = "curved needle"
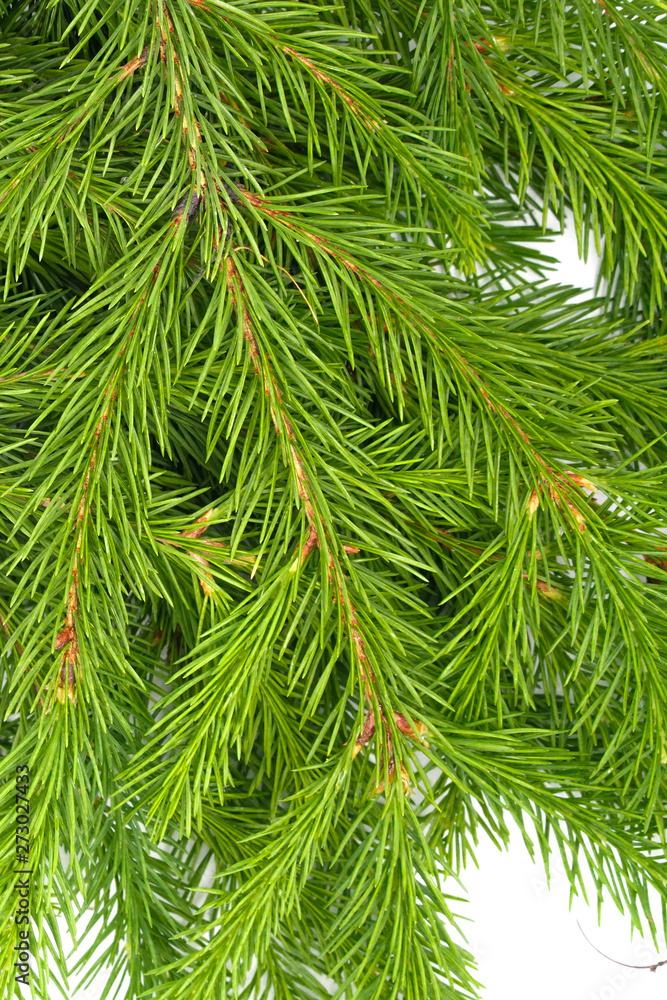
(652, 967)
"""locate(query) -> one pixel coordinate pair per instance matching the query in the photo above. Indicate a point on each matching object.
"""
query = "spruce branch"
(331, 528)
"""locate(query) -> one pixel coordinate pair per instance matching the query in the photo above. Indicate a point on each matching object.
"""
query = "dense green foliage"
(324, 515)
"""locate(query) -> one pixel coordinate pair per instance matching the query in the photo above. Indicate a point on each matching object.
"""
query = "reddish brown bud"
(203, 522)
(585, 484)
(404, 726)
(365, 735)
(545, 589)
(64, 637)
(134, 64)
(67, 676)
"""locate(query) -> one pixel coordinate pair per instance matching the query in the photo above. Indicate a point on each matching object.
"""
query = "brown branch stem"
(280, 419)
(67, 638)
(318, 74)
(282, 423)
(190, 128)
(283, 217)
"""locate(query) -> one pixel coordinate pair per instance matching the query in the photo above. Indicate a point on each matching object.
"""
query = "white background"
(523, 933)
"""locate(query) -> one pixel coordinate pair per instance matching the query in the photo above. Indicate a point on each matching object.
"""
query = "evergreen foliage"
(325, 515)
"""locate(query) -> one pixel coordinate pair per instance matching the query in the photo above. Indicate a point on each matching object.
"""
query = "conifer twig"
(283, 424)
(68, 638)
(557, 495)
(281, 421)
